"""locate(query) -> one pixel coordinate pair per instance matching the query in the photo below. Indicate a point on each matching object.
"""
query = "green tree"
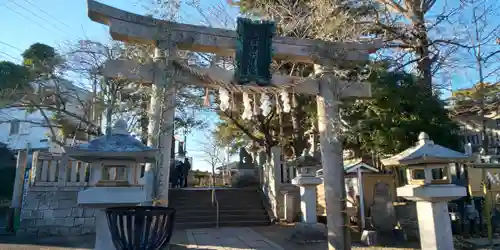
(398, 111)
(14, 82)
(62, 105)
(42, 60)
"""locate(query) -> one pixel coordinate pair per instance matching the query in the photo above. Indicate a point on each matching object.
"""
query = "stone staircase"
(237, 208)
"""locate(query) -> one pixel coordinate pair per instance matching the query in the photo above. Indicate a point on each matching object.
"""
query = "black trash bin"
(140, 227)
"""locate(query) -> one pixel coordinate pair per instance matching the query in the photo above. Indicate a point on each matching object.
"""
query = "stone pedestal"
(309, 230)
(102, 232)
(432, 209)
(289, 205)
(309, 233)
(369, 237)
(307, 185)
(104, 197)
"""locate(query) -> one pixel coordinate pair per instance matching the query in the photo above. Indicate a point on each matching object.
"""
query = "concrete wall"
(54, 211)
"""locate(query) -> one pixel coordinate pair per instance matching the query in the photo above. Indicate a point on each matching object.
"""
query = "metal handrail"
(216, 202)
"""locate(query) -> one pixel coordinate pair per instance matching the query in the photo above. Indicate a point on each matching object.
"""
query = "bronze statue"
(245, 157)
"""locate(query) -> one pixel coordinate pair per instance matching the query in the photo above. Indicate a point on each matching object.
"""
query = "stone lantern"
(309, 229)
(306, 165)
(115, 171)
(429, 184)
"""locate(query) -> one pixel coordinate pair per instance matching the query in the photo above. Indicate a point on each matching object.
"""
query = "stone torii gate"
(166, 73)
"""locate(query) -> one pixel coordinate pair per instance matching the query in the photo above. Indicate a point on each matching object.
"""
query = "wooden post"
(274, 179)
(62, 174)
(332, 162)
(361, 198)
(17, 194)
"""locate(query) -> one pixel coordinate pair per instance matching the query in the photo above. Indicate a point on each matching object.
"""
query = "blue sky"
(54, 22)
(57, 21)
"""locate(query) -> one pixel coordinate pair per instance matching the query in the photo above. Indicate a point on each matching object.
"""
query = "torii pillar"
(161, 122)
(329, 128)
(161, 113)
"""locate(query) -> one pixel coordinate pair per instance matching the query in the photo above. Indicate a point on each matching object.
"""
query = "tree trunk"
(424, 64)
(109, 107)
(172, 148)
(298, 130)
(482, 105)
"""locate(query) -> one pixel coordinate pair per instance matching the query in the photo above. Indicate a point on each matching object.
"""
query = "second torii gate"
(166, 70)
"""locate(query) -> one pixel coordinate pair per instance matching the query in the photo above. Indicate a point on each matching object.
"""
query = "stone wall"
(54, 211)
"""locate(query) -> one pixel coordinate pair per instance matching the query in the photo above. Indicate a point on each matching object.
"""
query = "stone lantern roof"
(426, 152)
(306, 160)
(119, 145)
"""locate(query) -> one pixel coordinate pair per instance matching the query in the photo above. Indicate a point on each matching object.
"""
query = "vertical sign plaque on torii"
(254, 52)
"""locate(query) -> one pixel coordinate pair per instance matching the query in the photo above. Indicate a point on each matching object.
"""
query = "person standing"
(186, 167)
(174, 175)
(179, 168)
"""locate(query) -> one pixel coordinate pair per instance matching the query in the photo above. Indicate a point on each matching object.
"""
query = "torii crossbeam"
(171, 36)
(215, 77)
(129, 27)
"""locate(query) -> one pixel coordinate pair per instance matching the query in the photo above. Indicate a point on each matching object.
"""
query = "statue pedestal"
(246, 175)
(432, 210)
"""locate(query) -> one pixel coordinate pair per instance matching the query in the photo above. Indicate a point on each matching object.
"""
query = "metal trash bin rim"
(132, 210)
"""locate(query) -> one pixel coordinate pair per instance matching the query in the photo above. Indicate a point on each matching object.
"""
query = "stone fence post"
(273, 172)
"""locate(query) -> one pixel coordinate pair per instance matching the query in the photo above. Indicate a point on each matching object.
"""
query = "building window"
(14, 127)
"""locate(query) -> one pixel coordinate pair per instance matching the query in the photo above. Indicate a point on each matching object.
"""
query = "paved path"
(228, 239)
(258, 238)
(194, 239)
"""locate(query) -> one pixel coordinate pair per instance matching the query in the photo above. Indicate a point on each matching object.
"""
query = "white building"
(21, 128)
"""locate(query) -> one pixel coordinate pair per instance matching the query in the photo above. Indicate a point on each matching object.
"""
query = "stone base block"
(309, 233)
(390, 237)
(369, 237)
(400, 235)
